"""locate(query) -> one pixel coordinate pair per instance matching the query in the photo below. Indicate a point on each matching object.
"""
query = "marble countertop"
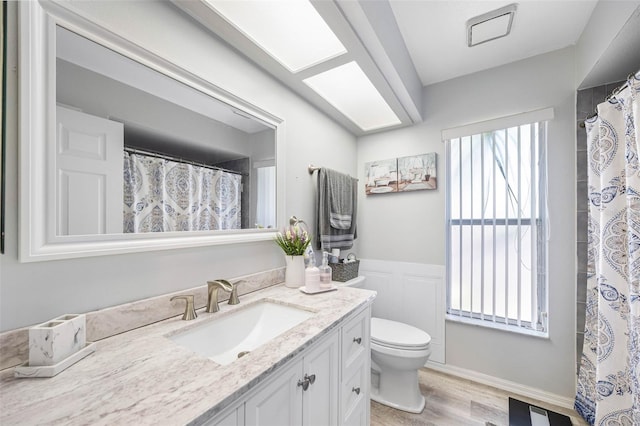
(143, 377)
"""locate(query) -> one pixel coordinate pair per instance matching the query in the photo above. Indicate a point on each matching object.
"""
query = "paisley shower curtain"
(163, 195)
(608, 390)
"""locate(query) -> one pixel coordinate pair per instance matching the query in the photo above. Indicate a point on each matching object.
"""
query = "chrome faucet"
(212, 300)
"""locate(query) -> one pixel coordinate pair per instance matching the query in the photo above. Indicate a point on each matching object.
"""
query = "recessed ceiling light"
(291, 31)
(491, 25)
(350, 91)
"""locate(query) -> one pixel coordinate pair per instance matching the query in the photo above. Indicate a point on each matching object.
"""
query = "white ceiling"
(403, 45)
(435, 33)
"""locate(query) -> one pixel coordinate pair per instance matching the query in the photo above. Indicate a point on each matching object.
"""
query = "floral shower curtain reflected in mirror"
(608, 389)
(163, 195)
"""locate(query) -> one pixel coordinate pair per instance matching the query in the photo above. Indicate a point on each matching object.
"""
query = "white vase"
(294, 273)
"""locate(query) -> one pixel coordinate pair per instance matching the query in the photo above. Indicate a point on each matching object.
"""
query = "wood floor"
(452, 401)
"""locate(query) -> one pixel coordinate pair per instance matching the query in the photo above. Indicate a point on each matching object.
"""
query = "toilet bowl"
(398, 350)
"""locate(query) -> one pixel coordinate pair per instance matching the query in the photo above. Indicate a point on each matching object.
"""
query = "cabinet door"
(355, 396)
(357, 416)
(320, 400)
(229, 417)
(278, 403)
(355, 342)
(356, 370)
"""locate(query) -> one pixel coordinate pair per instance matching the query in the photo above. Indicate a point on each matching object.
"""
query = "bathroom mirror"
(123, 151)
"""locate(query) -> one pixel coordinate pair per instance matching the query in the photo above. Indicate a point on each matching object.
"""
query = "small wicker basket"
(344, 271)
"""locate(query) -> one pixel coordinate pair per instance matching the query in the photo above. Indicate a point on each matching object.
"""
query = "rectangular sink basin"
(231, 336)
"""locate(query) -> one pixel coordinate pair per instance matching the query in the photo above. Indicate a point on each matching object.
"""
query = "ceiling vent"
(491, 25)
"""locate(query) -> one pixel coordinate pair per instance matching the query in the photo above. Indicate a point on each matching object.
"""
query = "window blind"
(496, 207)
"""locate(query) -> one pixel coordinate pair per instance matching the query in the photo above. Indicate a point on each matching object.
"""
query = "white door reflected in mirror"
(89, 174)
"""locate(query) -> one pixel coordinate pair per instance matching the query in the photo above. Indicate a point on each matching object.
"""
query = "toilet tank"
(357, 282)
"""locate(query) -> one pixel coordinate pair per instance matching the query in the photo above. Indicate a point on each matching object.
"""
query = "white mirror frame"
(37, 45)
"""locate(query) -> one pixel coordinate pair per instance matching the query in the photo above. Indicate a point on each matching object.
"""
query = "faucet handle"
(233, 297)
(189, 311)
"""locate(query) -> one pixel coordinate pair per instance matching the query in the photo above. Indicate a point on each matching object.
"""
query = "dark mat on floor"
(519, 414)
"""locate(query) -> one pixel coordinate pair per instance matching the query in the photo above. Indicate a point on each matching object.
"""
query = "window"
(496, 237)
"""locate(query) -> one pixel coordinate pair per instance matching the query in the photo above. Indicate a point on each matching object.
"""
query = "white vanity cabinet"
(356, 370)
(279, 401)
(320, 401)
(335, 373)
(233, 416)
(303, 393)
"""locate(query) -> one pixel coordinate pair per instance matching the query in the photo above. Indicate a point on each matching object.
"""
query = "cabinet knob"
(356, 390)
(358, 340)
(304, 384)
(306, 381)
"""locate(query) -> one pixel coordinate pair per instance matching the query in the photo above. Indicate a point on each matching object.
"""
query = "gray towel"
(337, 207)
(341, 200)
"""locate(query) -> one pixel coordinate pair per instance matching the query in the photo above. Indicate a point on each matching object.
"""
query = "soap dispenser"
(312, 277)
(325, 271)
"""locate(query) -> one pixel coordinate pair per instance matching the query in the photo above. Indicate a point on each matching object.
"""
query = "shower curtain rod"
(180, 160)
(613, 93)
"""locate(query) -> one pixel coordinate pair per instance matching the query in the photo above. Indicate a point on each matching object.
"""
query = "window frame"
(540, 329)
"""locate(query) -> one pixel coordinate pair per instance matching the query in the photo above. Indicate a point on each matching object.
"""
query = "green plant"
(293, 240)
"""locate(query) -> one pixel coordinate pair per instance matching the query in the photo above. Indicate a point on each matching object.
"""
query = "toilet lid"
(397, 334)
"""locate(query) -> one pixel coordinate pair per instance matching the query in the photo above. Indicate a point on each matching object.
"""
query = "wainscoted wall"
(412, 293)
(586, 103)
(409, 227)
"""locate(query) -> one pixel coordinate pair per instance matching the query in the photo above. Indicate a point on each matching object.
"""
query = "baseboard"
(506, 385)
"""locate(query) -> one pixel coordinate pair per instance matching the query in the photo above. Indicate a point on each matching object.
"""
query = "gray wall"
(150, 122)
(601, 39)
(35, 292)
(410, 226)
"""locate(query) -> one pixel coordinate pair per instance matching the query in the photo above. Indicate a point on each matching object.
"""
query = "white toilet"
(398, 350)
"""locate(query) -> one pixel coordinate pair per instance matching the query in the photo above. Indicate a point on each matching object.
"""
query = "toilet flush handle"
(358, 340)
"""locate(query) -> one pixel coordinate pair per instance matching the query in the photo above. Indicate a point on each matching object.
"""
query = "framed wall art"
(417, 172)
(381, 176)
(404, 174)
